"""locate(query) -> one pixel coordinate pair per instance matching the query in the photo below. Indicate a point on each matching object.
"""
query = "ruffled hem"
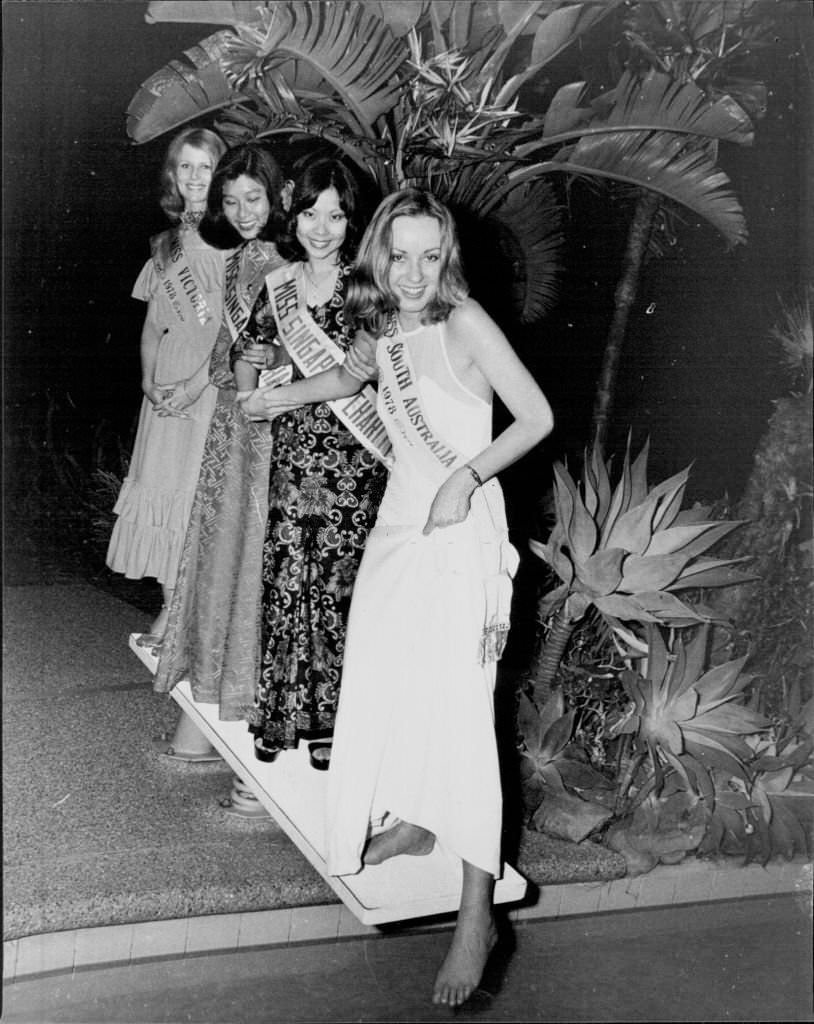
(148, 535)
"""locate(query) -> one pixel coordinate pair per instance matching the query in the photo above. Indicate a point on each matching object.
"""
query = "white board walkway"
(293, 792)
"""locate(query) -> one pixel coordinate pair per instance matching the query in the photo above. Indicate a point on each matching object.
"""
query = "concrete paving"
(742, 960)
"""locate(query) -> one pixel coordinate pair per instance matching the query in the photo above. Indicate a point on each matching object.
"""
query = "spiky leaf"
(643, 573)
(601, 574)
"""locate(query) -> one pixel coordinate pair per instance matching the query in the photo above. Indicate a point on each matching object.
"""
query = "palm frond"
(659, 161)
(533, 217)
(559, 29)
(182, 91)
(659, 100)
(655, 102)
(206, 12)
(355, 53)
(667, 164)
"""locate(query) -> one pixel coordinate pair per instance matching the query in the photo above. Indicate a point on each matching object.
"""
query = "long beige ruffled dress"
(155, 502)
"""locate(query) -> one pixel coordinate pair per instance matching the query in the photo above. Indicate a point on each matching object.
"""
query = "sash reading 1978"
(177, 278)
(313, 351)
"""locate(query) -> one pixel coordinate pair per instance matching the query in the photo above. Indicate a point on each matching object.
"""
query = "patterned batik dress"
(324, 491)
(213, 634)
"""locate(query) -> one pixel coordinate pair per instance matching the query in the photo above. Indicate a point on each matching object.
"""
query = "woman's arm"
(184, 393)
(151, 335)
(484, 360)
(339, 382)
(266, 403)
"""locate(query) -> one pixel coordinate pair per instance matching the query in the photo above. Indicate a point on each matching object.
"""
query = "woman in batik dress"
(213, 633)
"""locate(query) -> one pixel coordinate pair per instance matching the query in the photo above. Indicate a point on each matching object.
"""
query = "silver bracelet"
(475, 474)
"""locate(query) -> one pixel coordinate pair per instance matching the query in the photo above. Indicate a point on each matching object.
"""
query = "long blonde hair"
(371, 303)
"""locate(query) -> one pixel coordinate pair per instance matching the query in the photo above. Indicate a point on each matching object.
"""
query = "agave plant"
(430, 93)
(554, 772)
(549, 759)
(626, 552)
(685, 718)
(751, 817)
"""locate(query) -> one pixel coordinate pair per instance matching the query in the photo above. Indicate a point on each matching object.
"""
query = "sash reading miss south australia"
(313, 351)
(177, 279)
(499, 559)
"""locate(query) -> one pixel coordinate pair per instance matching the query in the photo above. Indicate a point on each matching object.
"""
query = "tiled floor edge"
(113, 945)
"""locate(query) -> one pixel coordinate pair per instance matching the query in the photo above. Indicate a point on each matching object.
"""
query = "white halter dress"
(414, 737)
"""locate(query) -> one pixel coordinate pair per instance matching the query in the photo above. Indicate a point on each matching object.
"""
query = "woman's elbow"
(541, 422)
(545, 423)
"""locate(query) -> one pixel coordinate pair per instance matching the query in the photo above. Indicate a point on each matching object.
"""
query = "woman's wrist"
(192, 392)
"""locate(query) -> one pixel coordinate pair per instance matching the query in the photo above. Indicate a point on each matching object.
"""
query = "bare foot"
(474, 939)
(401, 838)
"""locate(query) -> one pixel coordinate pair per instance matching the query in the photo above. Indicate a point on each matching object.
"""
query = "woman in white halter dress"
(414, 758)
(415, 734)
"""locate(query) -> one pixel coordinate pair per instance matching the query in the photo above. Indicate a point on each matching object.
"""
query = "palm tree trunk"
(626, 290)
(545, 665)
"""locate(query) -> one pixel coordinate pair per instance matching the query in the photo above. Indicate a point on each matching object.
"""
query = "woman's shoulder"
(146, 284)
(467, 318)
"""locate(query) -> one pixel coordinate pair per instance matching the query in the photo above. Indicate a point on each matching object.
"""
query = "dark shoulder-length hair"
(256, 162)
(315, 178)
(201, 138)
(371, 303)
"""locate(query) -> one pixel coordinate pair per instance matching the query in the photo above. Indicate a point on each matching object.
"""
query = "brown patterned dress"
(213, 633)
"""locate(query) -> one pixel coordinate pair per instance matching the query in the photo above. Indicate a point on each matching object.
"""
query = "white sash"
(179, 282)
(313, 351)
(499, 558)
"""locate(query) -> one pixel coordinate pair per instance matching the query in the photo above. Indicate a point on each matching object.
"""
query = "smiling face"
(193, 173)
(415, 266)
(321, 228)
(246, 206)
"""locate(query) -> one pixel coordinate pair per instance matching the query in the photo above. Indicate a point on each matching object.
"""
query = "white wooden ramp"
(293, 792)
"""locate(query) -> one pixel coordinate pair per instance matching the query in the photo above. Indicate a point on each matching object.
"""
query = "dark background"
(698, 375)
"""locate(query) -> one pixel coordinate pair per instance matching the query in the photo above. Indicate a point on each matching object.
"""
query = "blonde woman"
(414, 759)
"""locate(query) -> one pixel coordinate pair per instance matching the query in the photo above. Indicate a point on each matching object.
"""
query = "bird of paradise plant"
(430, 93)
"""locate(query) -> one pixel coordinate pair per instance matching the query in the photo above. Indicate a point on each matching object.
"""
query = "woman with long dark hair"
(325, 484)
(213, 631)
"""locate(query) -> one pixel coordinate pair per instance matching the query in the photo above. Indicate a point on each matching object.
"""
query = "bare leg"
(474, 938)
(401, 838)
(159, 626)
